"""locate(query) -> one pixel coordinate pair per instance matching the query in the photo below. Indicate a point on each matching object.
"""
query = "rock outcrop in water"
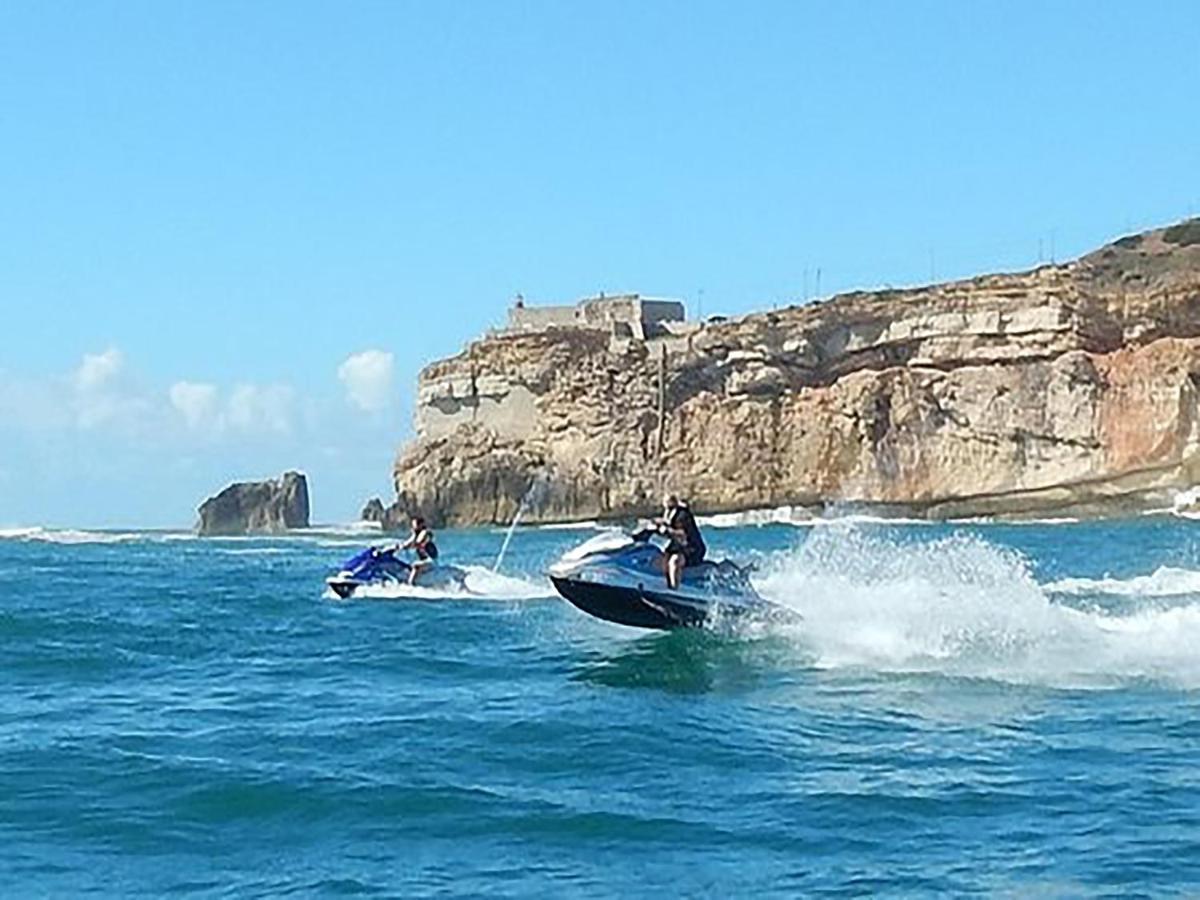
(389, 518)
(257, 507)
(1067, 390)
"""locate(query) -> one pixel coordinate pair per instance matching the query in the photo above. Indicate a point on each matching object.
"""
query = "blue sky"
(210, 207)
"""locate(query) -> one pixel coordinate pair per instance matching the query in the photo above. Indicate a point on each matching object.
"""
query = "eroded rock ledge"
(1066, 390)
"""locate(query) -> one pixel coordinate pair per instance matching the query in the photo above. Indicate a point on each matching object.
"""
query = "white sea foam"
(18, 534)
(961, 606)
(253, 551)
(992, 520)
(1164, 581)
(841, 521)
(801, 517)
(350, 529)
(780, 515)
(1188, 497)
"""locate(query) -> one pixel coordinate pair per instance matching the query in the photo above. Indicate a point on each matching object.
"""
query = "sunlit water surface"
(1000, 709)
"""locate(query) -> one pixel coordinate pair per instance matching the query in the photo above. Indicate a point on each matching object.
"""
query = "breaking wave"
(963, 607)
(68, 536)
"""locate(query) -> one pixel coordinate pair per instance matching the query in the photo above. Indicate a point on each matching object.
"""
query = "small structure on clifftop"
(630, 315)
(257, 507)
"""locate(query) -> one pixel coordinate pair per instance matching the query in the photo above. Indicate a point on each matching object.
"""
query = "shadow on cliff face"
(691, 662)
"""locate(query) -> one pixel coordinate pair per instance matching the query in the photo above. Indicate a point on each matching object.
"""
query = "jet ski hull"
(344, 589)
(620, 579)
(637, 608)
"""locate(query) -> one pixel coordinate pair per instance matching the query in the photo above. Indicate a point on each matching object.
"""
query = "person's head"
(418, 524)
(670, 502)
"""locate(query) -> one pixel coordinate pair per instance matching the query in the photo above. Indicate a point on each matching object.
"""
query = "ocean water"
(987, 709)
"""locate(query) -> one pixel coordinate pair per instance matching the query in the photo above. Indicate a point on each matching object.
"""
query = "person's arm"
(666, 529)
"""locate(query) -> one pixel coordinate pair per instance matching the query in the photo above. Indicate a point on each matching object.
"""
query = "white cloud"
(196, 402)
(102, 394)
(99, 370)
(250, 408)
(367, 377)
(261, 408)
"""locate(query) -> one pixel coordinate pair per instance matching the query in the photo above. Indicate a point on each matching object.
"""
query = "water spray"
(535, 494)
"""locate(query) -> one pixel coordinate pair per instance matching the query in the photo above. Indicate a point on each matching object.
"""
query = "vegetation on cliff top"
(1184, 234)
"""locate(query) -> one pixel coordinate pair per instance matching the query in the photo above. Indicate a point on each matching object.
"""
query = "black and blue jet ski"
(619, 578)
(381, 566)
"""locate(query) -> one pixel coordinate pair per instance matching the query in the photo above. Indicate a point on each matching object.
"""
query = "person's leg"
(674, 570)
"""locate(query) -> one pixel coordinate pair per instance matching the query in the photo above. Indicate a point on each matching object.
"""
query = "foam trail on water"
(490, 583)
(482, 584)
(961, 606)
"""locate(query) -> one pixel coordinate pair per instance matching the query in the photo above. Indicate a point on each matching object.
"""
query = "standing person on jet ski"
(421, 540)
(687, 546)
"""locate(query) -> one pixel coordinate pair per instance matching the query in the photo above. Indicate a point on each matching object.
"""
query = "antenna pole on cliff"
(662, 399)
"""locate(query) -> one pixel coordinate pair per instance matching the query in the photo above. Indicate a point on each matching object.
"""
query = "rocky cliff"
(257, 507)
(1067, 390)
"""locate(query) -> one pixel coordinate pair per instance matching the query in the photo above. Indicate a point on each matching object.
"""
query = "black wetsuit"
(692, 547)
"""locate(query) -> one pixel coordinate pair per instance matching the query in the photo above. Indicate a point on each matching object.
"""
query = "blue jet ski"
(381, 566)
(619, 578)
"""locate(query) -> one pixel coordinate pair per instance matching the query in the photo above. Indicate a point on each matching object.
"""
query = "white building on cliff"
(625, 315)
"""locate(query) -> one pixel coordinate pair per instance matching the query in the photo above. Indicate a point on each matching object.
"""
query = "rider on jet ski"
(687, 546)
(421, 540)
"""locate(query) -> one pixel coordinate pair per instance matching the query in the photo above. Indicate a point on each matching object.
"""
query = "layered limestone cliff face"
(1067, 390)
(257, 507)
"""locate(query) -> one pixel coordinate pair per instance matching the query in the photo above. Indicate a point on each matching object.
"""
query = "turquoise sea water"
(985, 709)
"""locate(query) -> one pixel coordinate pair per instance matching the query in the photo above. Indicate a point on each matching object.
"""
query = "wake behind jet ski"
(376, 566)
(620, 578)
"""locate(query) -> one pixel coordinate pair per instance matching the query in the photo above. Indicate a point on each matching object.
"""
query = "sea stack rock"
(390, 518)
(373, 511)
(257, 507)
